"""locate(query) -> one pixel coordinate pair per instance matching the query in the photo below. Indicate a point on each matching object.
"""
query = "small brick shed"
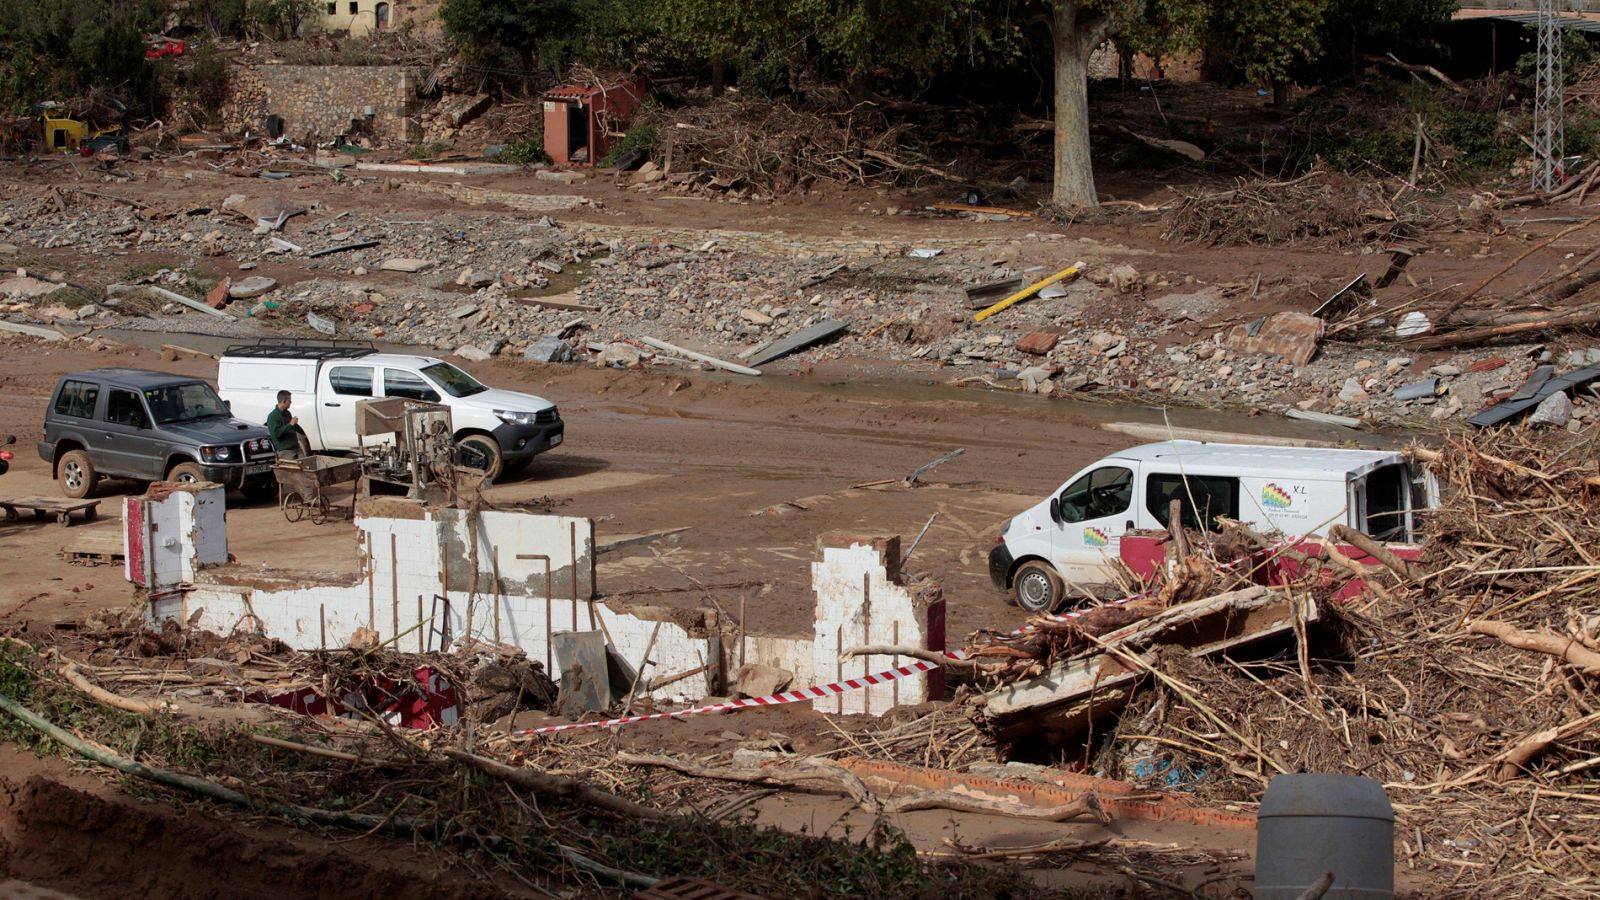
(580, 120)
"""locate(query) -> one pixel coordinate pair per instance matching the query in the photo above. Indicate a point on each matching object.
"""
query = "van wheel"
(76, 474)
(1037, 587)
(186, 473)
(480, 452)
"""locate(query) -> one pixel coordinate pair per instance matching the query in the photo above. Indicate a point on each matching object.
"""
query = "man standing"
(281, 426)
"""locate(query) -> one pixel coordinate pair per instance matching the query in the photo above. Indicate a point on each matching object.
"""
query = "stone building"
(363, 17)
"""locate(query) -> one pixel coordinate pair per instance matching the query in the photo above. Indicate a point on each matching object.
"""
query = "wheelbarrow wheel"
(294, 506)
(319, 510)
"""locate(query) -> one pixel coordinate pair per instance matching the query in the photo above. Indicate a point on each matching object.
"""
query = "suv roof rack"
(301, 348)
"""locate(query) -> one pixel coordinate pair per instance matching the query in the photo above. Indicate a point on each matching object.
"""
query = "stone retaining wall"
(317, 103)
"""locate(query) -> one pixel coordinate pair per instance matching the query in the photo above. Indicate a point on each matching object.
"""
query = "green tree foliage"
(55, 49)
(1351, 28)
(278, 19)
(223, 18)
(1269, 39)
(513, 38)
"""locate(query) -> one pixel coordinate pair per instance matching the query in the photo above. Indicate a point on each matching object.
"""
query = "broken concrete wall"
(431, 577)
(544, 556)
(860, 601)
(170, 534)
(416, 590)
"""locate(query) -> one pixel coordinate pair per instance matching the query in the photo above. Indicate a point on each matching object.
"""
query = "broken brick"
(218, 296)
(1487, 365)
(1039, 343)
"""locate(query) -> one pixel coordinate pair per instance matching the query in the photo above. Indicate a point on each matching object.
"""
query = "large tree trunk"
(1074, 41)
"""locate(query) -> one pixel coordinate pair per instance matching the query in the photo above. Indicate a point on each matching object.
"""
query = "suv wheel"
(1037, 586)
(76, 474)
(186, 473)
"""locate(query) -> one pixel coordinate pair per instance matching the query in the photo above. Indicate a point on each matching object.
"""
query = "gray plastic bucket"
(1310, 824)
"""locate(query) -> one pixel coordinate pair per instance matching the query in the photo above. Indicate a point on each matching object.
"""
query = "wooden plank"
(800, 340)
(559, 301)
(44, 504)
(1207, 627)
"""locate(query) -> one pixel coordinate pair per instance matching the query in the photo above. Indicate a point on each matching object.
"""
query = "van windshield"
(452, 380)
(184, 403)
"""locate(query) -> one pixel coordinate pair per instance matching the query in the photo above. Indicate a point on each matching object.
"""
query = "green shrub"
(525, 152)
(426, 150)
(639, 137)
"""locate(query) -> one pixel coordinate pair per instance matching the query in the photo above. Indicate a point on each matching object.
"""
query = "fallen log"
(1466, 336)
(1525, 750)
(1461, 300)
(1567, 649)
(70, 672)
(933, 656)
(556, 786)
(843, 781)
(1373, 548)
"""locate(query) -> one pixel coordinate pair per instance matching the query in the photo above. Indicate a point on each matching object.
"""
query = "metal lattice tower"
(1549, 137)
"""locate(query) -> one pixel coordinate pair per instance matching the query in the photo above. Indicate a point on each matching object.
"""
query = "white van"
(494, 429)
(1067, 542)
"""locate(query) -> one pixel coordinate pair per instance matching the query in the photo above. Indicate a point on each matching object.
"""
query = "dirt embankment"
(74, 834)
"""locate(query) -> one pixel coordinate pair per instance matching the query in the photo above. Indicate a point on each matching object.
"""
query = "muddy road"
(754, 469)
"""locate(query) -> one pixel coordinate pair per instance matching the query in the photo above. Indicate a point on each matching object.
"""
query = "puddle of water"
(572, 275)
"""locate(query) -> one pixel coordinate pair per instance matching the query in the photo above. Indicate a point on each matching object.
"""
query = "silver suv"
(151, 426)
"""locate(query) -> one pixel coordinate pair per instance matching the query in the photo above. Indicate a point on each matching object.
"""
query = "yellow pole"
(1029, 291)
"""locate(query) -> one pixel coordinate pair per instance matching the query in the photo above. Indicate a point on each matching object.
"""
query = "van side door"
(340, 388)
(1091, 514)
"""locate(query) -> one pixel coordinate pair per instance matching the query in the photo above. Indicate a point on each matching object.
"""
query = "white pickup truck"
(494, 429)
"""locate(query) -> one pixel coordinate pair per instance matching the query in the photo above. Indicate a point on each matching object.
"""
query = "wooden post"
(322, 623)
(494, 560)
(549, 604)
(394, 583)
(1180, 539)
(838, 664)
(742, 630)
(866, 638)
(573, 527)
(422, 632)
(372, 587)
(895, 685)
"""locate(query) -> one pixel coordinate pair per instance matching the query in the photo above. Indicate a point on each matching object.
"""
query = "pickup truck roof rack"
(298, 348)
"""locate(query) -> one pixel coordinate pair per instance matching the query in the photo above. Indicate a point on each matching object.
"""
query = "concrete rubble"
(454, 283)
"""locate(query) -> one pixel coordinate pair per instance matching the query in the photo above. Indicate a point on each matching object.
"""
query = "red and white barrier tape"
(811, 693)
(831, 689)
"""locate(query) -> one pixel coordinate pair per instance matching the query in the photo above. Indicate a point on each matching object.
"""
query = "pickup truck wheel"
(1037, 587)
(186, 473)
(481, 452)
(76, 474)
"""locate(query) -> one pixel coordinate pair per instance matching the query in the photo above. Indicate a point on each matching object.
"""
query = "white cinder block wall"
(417, 589)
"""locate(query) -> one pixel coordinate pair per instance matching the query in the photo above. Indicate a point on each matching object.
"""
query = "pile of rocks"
(481, 286)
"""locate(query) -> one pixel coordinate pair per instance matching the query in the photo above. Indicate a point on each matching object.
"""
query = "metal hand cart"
(303, 484)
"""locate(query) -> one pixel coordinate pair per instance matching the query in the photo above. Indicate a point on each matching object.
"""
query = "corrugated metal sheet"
(1531, 20)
